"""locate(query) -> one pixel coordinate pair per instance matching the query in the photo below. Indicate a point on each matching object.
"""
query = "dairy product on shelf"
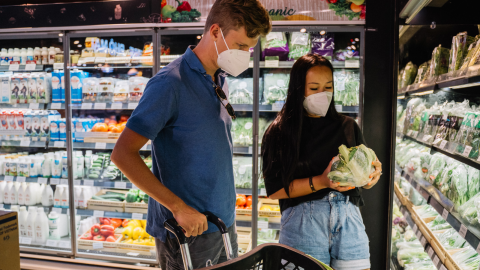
(47, 196)
(30, 224)
(22, 221)
(41, 227)
(53, 225)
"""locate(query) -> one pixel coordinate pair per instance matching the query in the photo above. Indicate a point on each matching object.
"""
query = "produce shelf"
(450, 84)
(289, 64)
(445, 208)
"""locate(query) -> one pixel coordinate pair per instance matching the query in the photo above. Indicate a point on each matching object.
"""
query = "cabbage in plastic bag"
(469, 210)
(473, 181)
(412, 255)
(437, 164)
(464, 255)
(422, 72)
(353, 166)
(408, 76)
(299, 45)
(425, 265)
(274, 45)
(458, 193)
(460, 44)
(439, 64)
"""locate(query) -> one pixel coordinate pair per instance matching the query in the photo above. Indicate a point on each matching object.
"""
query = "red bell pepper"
(107, 230)
(95, 230)
(111, 239)
(183, 6)
(87, 236)
(99, 238)
(125, 223)
(116, 222)
(106, 221)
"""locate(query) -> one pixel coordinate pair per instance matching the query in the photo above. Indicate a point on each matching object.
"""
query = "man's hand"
(193, 222)
(375, 175)
(322, 181)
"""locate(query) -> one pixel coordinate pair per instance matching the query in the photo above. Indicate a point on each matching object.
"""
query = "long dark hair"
(281, 142)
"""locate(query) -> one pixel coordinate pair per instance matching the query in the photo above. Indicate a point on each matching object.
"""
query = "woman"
(318, 217)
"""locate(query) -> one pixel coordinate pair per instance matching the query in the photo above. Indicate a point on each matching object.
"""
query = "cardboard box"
(9, 245)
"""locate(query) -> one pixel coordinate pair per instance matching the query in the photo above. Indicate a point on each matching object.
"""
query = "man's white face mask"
(233, 61)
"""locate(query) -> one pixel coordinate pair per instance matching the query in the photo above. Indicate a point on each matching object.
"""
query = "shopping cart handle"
(172, 226)
(217, 221)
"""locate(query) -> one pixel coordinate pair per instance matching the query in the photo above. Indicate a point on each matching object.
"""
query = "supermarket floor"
(39, 262)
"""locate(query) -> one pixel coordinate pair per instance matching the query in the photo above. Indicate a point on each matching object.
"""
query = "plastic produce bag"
(339, 80)
(352, 88)
(443, 182)
(275, 87)
(450, 239)
(471, 53)
(437, 164)
(469, 210)
(242, 131)
(459, 49)
(412, 255)
(465, 134)
(439, 64)
(470, 264)
(459, 186)
(408, 76)
(422, 72)
(323, 45)
(443, 123)
(353, 166)
(464, 255)
(426, 265)
(415, 197)
(473, 181)
(299, 45)
(274, 46)
(438, 224)
(410, 112)
(427, 211)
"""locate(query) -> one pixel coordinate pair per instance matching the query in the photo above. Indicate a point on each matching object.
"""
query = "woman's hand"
(322, 181)
(375, 175)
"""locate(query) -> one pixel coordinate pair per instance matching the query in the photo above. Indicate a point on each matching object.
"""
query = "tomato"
(111, 239)
(332, 1)
(99, 238)
(241, 199)
(249, 201)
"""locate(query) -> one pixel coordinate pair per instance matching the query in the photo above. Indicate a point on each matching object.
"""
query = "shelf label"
(30, 66)
(339, 108)
(58, 66)
(263, 192)
(415, 134)
(56, 106)
(409, 133)
(467, 150)
(352, 63)
(33, 106)
(478, 248)
(90, 183)
(98, 213)
(463, 231)
(97, 245)
(25, 143)
(100, 59)
(436, 260)
(64, 244)
(8, 178)
(415, 228)
(51, 243)
(77, 182)
(445, 214)
(272, 63)
(137, 216)
(262, 224)
(100, 106)
(122, 185)
(419, 234)
(57, 210)
(54, 181)
(13, 67)
(42, 180)
(87, 106)
(250, 149)
(25, 240)
(426, 137)
(133, 254)
(64, 181)
(21, 179)
(250, 64)
(423, 241)
(443, 144)
(100, 145)
(1, 205)
(442, 267)
(132, 106)
(277, 106)
(430, 252)
(59, 144)
(117, 105)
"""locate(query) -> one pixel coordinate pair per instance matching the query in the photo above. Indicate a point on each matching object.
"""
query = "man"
(184, 113)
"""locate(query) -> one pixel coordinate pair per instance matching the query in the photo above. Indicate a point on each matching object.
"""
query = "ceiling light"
(353, 47)
(76, 42)
(357, 39)
(303, 30)
(60, 34)
(79, 45)
(199, 37)
(322, 32)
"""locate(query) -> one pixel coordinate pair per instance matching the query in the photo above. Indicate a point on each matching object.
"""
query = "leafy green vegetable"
(439, 64)
(421, 72)
(450, 239)
(437, 164)
(408, 76)
(473, 181)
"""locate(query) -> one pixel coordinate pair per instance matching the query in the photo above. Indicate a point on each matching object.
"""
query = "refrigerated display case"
(436, 163)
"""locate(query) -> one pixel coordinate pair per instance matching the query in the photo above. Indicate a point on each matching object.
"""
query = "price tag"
(64, 181)
(445, 214)
(77, 182)
(90, 183)
(25, 143)
(56, 106)
(33, 106)
(478, 248)
(51, 243)
(97, 245)
(425, 138)
(58, 66)
(277, 106)
(100, 145)
(100, 59)
(13, 67)
(87, 106)
(134, 187)
(442, 267)
(415, 228)
(8, 178)
(339, 108)
(122, 185)
(263, 224)
(352, 63)
(132, 106)
(250, 64)
(250, 150)
(42, 180)
(415, 134)
(272, 63)
(26, 241)
(59, 144)
(117, 105)
(30, 66)
(100, 106)
(430, 252)
(21, 179)
(423, 241)
(137, 216)
(436, 260)
(64, 244)
(263, 192)
(97, 213)
(463, 231)
(54, 181)
(419, 188)
(443, 144)
(419, 234)
(409, 133)
(467, 150)
(57, 210)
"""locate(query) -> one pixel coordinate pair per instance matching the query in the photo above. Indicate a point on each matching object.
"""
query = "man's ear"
(214, 31)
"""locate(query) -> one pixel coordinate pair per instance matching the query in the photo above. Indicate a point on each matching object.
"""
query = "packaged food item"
(240, 90)
(90, 90)
(32, 94)
(323, 45)
(137, 86)
(422, 72)
(15, 88)
(439, 64)
(43, 87)
(22, 96)
(299, 45)
(274, 46)
(120, 93)
(5, 96)
(409, 74)
(76, 79)
(57, 86)
(105, 90)
(276, 87)
(459, 49)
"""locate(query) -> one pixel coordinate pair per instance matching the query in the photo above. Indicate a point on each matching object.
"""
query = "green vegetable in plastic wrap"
(421, 72)
(465, 255)
(450, 239)
(412, 255)
(460, 44)
(275, 87)
(242, 131)
(439, 64)
(444, 181)
(459, 186)
(352, 88)
(437, 165)
(471, 53)
(469, 210)
(426, 265)
(473, 181)
(299, 45)
(408, 76)
(465, 134)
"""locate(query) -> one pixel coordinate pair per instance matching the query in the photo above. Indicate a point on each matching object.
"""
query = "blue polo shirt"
(192, 146)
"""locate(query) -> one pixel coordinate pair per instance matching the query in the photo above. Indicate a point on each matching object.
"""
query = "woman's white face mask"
(318, 104)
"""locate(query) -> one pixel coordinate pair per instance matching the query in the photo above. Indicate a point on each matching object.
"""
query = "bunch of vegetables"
(103, 231)
(243, 202)
(438, 224)
(439, 64)
(110, 196)
(450, 239)
(467, 258)
(136, 196)
(409, 74)
(348, 8)
(182, 13)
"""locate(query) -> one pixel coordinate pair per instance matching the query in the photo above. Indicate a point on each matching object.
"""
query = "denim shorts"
(330, 229)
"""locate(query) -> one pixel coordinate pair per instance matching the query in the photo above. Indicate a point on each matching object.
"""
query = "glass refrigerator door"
(26, 155)
(108, 74)
(279, 51)
(240, 95)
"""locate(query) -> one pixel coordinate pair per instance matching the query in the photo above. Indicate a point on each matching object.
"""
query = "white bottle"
(13, 193)
(21, 193)
(44, 56)
(53, 222)
(22, 221)
(19, 167)
(88, 158)
(32, 216)
(37, 55)
(10, 54)
(57, 166)
(6, 193)
(23, 56)
(30, 196)
(38, 166)
(39, 193)
(64, 198)
(14, 208)
(57, 199)
(41, 227)
(3, 185)
(46, 166)
(16, 55)
(51, 55)
(80, 165)
(65, 166)
(47, 196)
(32, 170)
(30, 54)
(82, 202)
(4, 57)
(78, 191)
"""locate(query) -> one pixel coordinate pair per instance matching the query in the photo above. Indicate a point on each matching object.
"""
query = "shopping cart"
(263, 257)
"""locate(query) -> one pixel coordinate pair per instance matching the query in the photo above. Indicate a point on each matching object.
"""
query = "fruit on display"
(243, 202)
(352, 9)
(183, 13)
